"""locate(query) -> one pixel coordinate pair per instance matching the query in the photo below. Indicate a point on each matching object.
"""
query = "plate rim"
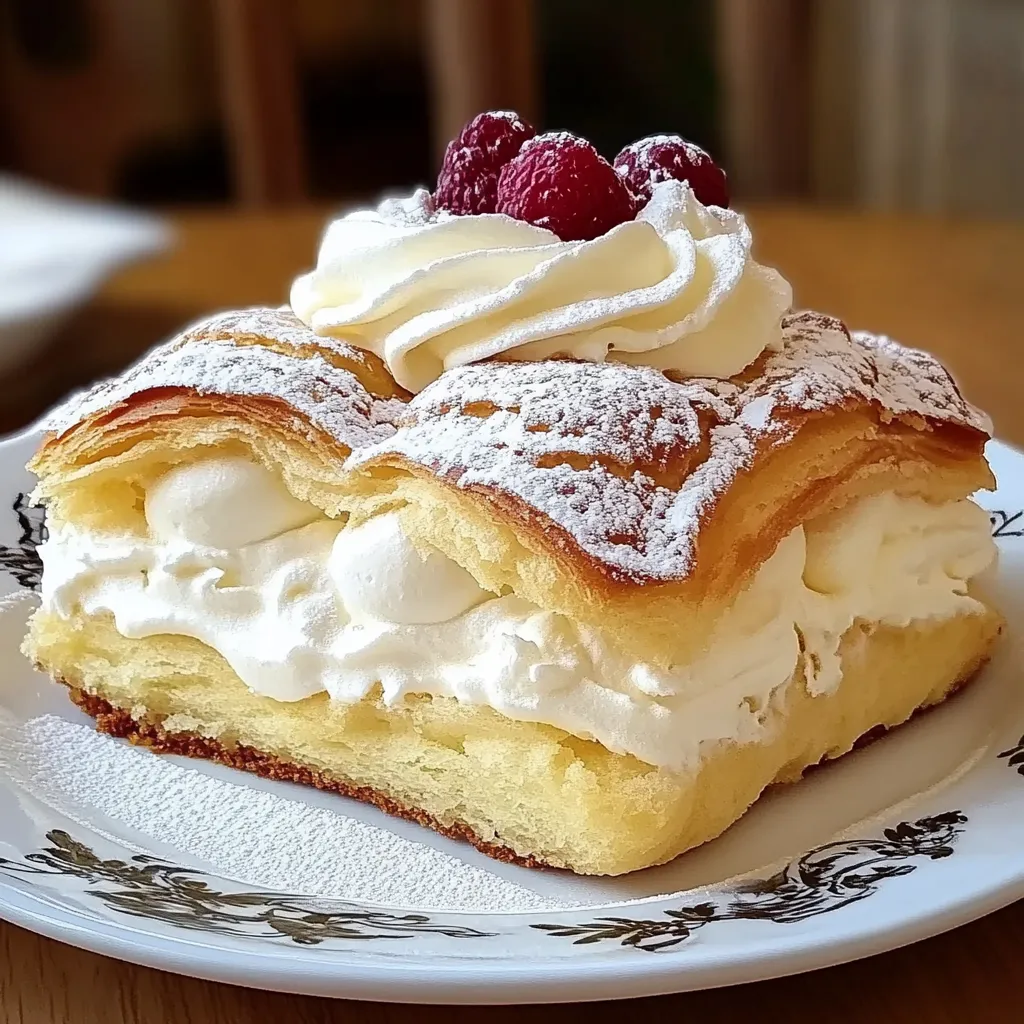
(479, 983)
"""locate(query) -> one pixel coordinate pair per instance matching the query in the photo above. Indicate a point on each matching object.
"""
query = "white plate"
(919, 832)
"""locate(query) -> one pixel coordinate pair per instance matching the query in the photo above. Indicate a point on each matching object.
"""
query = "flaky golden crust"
(624, 471)
(615, 494)
(282, 331)
(590, 489)
(254, 379)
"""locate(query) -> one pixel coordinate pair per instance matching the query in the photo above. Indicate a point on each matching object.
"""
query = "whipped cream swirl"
(676, 288)
(300, 607)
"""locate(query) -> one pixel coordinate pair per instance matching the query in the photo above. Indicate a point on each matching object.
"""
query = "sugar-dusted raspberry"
(468, 179)
(560, 182)
(659, 157)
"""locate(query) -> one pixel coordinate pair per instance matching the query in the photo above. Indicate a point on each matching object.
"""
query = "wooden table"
(955, 288)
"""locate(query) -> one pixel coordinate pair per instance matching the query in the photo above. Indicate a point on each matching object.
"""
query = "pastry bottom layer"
(119, 722)
(519, 791)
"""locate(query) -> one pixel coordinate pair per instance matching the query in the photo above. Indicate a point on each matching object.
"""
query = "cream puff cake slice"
(539, 519)
(577, 613)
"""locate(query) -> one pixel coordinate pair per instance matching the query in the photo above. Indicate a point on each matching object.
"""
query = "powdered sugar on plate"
(242, 831)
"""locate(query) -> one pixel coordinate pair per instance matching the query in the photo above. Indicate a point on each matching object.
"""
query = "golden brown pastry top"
(265, 355)
(628, 465)
(621, 474)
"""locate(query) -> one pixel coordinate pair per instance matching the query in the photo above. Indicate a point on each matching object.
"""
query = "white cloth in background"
(55, 251)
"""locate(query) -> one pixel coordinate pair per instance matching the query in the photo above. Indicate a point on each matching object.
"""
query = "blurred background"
(914, 103)
(224, 115)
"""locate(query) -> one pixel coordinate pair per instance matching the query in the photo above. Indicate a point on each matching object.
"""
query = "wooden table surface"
(956, 288)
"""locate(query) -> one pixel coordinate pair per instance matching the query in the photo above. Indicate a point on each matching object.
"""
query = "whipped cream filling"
(676, 288)
(298, 604)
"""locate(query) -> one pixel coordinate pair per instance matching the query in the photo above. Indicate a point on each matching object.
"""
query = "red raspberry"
(468, 179)
(560, 182)
(660, 157)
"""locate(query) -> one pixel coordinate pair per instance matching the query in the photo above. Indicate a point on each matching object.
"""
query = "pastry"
(552, 528)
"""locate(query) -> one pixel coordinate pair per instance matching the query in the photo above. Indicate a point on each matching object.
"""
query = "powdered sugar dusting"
(642, 150)
(411, 211)
(279, 326)
(931, 385)
(628, 463)
(324, 396)
(551, 139)
(625, 461)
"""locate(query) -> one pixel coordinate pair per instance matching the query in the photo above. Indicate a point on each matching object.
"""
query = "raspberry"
(560, 182)
(468, 179)
(660, 157)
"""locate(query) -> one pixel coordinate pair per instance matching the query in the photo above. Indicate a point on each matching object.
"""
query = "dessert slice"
(579, 613)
